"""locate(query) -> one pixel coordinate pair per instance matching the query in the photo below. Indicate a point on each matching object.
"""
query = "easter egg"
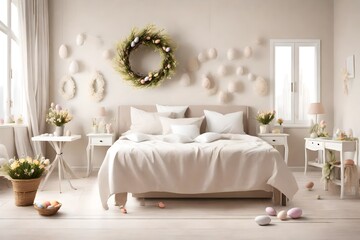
(185, 80)
(63, 52)
(309, 185)
(202, 57)
(54, 202)
(212, 53)
(80, 39)
(270, 211)
(73, 67)
(136, 39)
(39, 205)
(46, 204)
(50, 207)
(294, 212)
(318, 197)
(132, 44)
(161, 205)
(247, 52)
(263, 220)
(282, 215)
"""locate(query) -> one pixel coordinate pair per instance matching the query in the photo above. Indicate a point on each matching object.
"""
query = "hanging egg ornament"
(231, 54)
(247, 52)
(73, 67)
(212, 53)
(63, 51)
(185, 80)
(240, 71)
(80, 39)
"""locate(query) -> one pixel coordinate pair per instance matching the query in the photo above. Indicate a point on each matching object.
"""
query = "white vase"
(264, 129)
(59, 131)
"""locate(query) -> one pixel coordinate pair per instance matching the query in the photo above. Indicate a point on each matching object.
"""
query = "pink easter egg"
(294, 212)
(161, 205)
(270, 211)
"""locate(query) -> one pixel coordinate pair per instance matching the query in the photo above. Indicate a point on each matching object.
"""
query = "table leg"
(306, 161)
(66, 168)
(342, 184)
(52, 167)
(59, 169)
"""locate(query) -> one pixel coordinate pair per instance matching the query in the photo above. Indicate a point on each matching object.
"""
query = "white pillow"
(167, 122)
(179, 111)
(208, 137)
(175, 138)
(137, 137)
(191, 131)
(228, 123)
(146, 122)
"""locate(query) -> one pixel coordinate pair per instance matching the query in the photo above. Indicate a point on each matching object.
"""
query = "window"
(11, 97)
(295, 66)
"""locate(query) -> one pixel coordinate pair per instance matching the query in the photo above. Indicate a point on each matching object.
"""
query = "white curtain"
(34, 35)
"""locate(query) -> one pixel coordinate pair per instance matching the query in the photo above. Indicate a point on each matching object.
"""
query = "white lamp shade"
(316, 108)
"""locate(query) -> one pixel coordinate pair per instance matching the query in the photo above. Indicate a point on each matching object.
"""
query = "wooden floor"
(82, 217)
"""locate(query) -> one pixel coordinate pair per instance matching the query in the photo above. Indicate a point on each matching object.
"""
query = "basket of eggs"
(47, 208)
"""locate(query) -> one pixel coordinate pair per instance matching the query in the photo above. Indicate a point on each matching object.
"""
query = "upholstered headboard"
(124, 119)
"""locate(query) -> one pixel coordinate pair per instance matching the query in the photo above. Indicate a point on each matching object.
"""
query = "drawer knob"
(101, 140)
(274, 140)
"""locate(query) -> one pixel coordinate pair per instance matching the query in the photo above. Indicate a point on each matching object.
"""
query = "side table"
(97, 139)
(58, 143)
(277, 139)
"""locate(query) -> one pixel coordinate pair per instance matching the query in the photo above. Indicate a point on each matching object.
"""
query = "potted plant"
(58, 117)
(25, 175)
(264, 118)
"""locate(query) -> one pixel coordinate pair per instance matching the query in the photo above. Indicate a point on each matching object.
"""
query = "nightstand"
(97, 139)
(277, 139)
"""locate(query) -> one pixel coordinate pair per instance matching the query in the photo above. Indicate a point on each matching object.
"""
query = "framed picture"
(350, 66)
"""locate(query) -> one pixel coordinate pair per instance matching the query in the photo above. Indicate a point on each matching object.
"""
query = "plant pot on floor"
(25, 191)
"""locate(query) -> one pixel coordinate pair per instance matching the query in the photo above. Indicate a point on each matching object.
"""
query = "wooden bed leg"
(279, 198)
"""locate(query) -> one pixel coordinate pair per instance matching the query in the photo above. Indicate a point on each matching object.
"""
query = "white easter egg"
(206, 82)
(167, 49)
(263, 220)
(223, 97)
(240, 71)
(261, 86)
(73, 67)
(193, 64)
(185, 80)
(294, 212)
(222, 70)
(247, 52)
(231, 54)
(80, 39)
(251, 77)
(136, 40)
(107, 54)
(202, 57)
(68, 133)
(282, 215)
(270, 211)
(63, 51)
(132, 44)
(212, 53)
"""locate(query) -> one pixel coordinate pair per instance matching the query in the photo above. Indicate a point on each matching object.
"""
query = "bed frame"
(124, 122)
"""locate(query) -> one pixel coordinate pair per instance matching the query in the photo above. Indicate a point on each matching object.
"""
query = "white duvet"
(161, 163)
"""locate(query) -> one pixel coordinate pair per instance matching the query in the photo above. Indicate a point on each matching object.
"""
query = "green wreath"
(149, 36)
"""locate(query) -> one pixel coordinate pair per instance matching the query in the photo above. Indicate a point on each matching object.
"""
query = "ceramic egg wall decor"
(232, 54)
(261, 87)
(240, 71)
(80, 39)
(74, 67)
(107, 54)
(63, 51)
(212, 53)
(185, 80)
(222, 70)
(202, 57)
(206, 82)
(247, 52)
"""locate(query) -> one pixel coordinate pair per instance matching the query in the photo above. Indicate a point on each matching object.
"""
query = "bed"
(233, 165)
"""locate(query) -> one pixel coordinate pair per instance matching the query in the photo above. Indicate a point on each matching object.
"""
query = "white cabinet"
(277, 139)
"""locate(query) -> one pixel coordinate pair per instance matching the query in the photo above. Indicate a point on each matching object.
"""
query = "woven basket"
(25, 191)
(47, 211)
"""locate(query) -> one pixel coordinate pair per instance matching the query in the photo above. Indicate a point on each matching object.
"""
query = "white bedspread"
(239, 163)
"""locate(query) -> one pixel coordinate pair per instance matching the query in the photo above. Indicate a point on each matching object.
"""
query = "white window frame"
(295, 43)
(7, 29)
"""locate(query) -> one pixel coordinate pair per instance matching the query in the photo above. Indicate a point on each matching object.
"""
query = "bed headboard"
(124, 119)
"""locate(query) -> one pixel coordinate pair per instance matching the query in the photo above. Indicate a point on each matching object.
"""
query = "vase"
(264, 129)
(59, 131)
(25, 190)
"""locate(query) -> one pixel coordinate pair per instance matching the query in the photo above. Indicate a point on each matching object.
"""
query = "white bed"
(162, 164)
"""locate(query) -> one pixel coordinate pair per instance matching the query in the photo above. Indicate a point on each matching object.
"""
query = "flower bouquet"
(318, 130)
(25, 174)
(264, 118)
(58, 117)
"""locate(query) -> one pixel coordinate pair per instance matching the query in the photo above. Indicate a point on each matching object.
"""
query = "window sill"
(296, 126)
(12, 125)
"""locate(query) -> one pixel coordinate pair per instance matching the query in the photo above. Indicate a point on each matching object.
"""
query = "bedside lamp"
(316, 108)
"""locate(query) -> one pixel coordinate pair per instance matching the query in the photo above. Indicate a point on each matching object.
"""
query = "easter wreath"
(70, 92)
(151, 37)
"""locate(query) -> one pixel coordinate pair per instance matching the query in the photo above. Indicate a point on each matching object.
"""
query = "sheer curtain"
(34, 35)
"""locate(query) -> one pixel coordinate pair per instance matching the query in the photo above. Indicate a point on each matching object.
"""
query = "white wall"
(194, 26)
(346, 43)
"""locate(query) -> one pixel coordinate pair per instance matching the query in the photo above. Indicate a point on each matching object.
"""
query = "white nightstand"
(277, 139)
(97, 139)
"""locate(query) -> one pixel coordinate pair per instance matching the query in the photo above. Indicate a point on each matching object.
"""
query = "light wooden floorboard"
(82, 217)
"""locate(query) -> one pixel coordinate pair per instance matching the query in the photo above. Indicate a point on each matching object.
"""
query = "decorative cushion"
(179, 111)
(191, 131)
(228, 123)
(167, 122)
(137, 137)
(146, 122)
(208, 137)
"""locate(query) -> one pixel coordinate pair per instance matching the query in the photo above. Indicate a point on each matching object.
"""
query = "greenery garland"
(151, 37)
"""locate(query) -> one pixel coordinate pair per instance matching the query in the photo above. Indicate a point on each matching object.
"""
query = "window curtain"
(34, 35)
